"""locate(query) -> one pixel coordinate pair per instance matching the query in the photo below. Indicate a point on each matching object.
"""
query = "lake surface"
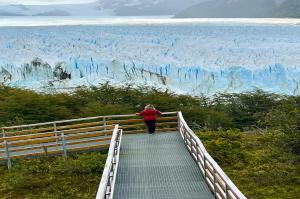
(54, 21)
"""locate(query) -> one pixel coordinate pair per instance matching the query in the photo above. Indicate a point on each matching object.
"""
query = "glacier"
(194, 58)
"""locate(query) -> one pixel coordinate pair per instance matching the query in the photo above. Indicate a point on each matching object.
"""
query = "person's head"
(149, 107)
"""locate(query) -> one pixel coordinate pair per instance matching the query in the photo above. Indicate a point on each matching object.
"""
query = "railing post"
(104, 125)
(3, 132)
(7, 154)
(55, 131)
(64, 144)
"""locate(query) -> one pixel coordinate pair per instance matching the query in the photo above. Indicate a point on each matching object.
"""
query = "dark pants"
(151, 125)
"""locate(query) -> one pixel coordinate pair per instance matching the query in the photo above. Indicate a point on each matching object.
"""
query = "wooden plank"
(72, 126)
(84, 130)
(143, 125)
(59, 144)
(210, 168)
(134, 126)
(220, 181)
(31, 131)
(60, 151)
(88, 141)
(85, 135)
(166, 124)
(139, 120)
(167, 119)
(36, 147)
(27, 137)
(33, 141)
(232, 195)
(210, 176)
(90, 147)
(167, 129)
(218, 196)
(210, 185)
(124, 121)
(38, 154)
(220, 191)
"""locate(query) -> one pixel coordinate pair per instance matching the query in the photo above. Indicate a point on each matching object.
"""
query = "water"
(59, 21)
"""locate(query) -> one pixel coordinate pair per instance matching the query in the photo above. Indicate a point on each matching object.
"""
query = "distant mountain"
(90, 9)
(147, 7)
(230, 9)
(289, 8)
(102, 7)
(53, 13)
(180, 8)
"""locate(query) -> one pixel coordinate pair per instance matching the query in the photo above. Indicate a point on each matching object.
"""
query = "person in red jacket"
(149, 114)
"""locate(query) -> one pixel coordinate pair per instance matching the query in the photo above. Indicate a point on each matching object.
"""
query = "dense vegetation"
(254, 136)
(255, 163)
(78, 176)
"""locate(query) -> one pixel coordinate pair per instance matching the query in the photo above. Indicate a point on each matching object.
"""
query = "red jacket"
(149, 114)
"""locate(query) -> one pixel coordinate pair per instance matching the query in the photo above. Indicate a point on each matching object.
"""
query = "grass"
(78, 176)
(255, 163)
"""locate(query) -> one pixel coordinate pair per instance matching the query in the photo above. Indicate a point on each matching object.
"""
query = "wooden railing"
(217, 180)
(62, 137)
(106, 187)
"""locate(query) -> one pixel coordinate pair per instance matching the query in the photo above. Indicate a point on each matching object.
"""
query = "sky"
(44, 2)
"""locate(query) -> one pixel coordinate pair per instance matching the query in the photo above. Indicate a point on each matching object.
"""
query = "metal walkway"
(158, 167)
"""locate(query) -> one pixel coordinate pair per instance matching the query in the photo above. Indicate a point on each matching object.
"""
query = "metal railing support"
(226, 191)
(55, 131)
(3, 132)
(7, 153)
(104, 124)
(215, 183)
(64, 144)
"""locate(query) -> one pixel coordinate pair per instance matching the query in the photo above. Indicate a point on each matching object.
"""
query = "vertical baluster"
(227, 193)
(55, 131)
(7, 154)
(104, 124)
(197, 152)
(3, 133)
(205, 166)
(64, 144)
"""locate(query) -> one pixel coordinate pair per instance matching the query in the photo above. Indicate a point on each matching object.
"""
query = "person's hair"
(149, 107)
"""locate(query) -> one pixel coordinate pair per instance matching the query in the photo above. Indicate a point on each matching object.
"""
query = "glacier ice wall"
(195, 59)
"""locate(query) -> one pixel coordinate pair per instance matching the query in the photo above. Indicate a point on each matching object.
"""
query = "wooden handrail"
(211, 171)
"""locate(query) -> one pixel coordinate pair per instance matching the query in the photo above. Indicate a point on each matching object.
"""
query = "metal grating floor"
(158, 166)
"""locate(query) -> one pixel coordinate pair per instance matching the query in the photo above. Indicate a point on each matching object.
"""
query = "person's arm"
(140, 114)
(158, 112)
